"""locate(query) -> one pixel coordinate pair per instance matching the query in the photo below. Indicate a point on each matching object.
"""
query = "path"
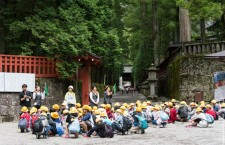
(174, 134)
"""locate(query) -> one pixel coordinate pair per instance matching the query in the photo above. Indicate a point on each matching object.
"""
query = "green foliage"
(63, 30)
(207, 9)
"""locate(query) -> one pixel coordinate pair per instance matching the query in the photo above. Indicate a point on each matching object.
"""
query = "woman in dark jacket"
(94, 96)
(107, 95)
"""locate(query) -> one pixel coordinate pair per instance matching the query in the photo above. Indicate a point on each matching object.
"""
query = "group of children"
(107, 120)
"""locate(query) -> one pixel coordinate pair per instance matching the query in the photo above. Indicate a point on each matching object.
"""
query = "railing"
(40, 66)
(202, 48)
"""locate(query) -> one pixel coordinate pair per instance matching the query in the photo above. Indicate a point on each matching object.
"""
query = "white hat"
(70, 87)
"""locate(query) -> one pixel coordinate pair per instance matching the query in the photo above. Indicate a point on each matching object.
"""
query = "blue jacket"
(86, 117)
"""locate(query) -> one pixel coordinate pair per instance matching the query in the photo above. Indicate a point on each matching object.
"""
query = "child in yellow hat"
(118, 122)
(24, 122)
(199, 119)
(73, 125)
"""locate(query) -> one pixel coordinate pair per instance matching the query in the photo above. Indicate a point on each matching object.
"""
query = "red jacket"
(173, 115)
(211, 112)
(27, 117)
(110, 114)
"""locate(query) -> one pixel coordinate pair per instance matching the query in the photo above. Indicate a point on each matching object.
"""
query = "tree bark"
(202, 26)
(185, 26)
(155, 30)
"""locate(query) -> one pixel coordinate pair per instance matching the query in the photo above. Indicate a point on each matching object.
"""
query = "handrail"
(40, 66)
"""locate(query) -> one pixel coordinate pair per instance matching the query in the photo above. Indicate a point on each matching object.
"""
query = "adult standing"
(107, 95)
(94, 96)
(25, 97)
(38, 97)
(70, 97)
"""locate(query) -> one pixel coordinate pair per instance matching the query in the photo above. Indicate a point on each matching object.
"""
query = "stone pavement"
(173, 134)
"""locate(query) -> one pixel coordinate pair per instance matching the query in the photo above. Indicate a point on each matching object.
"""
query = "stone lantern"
(152, 79)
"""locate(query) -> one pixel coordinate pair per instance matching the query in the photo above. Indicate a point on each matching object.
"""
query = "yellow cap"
(55, 106)
(89, 108)
(63, 104)
(157, 108)
(199, 109)
(95, 108)
(73, 110)
(208, 106)
(170, 104)
(132, 104)
(103, 115)
(183, 103)
(108, 106)
(138, 109)
(78, 105)
(213, 101)
(96, 112)
(65, 111)
(102, 105)
(24, 109)
(80, 114)
(123, 108)
(117, 104)
(85, 107)
(143, 106)
(119, 111)
(33, 110)
(138, 101)
(202, 102)
(192, 104)
(223, 105)
(173, 101)
(125, 104)
(202, 105)
(55, 115)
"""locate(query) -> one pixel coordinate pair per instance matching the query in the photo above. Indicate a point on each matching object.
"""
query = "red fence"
(40, 66)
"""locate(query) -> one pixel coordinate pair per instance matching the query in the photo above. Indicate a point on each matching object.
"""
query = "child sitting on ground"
(199, 119)
(73, 126)
(24, 122)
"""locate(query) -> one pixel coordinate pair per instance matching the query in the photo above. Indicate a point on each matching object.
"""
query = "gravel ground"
(173, 134)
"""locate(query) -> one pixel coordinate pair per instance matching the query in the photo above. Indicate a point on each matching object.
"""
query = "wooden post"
(85, 78)
(0, 63)
(15, 64)
(5, 65)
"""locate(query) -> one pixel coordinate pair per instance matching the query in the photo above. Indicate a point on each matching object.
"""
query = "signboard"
(2, 82)
(219, 83)
(12, 82)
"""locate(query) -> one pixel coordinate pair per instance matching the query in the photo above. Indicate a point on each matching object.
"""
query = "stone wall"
(196, 74)
(9, 102)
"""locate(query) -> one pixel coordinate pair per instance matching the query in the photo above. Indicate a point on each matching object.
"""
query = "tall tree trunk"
(2, 30)
(202, 26)
(155, 30)
(185, 26)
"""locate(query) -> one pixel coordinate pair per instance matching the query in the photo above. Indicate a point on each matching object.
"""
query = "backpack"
(59, 128)
(222, 115)
(164, 116)
(143, 124)
(209, 118)
(108, 131)
(127, 124)
(22, 123)
(38, 126)
(33, 119)
(74, 127)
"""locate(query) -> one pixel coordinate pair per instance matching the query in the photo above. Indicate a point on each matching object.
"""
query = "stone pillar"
(152, 79)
